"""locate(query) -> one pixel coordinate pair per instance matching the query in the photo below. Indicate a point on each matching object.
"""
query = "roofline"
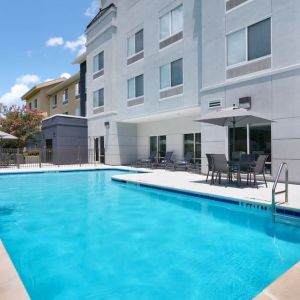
(79, 59)
(64, 84)
(35, 89)
(65, 116)
(100, 13)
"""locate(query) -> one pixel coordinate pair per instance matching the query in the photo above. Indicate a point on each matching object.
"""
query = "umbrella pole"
(233, 138)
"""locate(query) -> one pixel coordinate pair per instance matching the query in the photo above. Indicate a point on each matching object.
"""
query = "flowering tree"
(22, 123)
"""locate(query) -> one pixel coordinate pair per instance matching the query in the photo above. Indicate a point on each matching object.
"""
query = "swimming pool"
(79, 235)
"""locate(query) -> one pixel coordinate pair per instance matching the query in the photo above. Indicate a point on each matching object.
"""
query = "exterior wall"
(69, 139)
(43, 104)
(120, 139)
(71, 106)
(274, 91)
(125, 140)
(174, 129)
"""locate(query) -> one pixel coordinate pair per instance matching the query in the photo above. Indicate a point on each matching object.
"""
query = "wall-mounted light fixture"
(245, 102)
(106, 124)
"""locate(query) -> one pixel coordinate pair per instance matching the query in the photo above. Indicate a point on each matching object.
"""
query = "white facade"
(131, 123)
(271, 79)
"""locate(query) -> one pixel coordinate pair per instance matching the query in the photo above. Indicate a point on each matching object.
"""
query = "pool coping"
(70, 170)
(11, 285)
(286, 287)
(251, 204)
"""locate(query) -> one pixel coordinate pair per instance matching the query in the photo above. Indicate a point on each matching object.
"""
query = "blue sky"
(40, 38)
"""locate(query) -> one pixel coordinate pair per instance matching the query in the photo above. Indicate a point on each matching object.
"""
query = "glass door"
(96, 149)
(102, 150)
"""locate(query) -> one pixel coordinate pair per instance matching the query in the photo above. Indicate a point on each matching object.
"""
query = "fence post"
(18, 159)
(79, 156)
(40, 158)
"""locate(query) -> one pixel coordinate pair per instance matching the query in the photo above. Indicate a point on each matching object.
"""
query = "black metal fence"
(39, 158)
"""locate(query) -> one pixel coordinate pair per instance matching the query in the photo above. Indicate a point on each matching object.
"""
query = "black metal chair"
(220, 166)
(146, 162)
(210, 166)
(259, 168)
(247, 162)
(165, 162)
(185, 162)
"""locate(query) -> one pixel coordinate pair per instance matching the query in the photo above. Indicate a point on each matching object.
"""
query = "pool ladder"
(285, 191)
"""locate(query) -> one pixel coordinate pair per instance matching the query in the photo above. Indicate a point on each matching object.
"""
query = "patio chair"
(220, 166)
(259, 168)
(184, 164)
(247, 162)
(165, 162)
(210, 167)
(146, 162)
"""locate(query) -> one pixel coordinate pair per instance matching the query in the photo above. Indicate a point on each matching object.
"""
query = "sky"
(39, 40)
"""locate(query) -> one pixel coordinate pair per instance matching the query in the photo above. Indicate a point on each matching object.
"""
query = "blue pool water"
(81, 236)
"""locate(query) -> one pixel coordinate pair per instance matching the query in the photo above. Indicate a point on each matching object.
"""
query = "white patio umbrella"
(233, 116)
(7, 136)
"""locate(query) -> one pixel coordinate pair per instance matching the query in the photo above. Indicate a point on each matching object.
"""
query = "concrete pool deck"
(196, 183)
(285, 287)
(11, 286)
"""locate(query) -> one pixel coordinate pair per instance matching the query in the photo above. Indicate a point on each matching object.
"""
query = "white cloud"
(55, 41)
(93, 9)
(22, 85)
(77, 44)
(65, 75)
(49, 79)
(28, 79)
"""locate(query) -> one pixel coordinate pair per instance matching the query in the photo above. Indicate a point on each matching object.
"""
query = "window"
(153, 144)
(171, 74)
(66, 113)
(259, 39)
(192, 143)
(77, 89)
(159, 145)
(30, 105)
(136, 87)
(230, 4)
(35, 104)
(135, 43)
(66, 96)
(259, 138)
(250, 43)
(236, 47)
(171, 23)
(54, 101)
(99, 98)
(98, 62)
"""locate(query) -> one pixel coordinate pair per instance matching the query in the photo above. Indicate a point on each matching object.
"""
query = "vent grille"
(214, 104)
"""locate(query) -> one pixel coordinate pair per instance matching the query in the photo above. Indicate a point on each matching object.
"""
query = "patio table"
(236, 167)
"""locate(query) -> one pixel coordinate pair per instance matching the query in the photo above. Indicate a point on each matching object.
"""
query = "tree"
(22, 123)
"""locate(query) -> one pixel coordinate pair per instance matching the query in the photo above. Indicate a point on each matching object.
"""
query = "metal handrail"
(286, 190)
